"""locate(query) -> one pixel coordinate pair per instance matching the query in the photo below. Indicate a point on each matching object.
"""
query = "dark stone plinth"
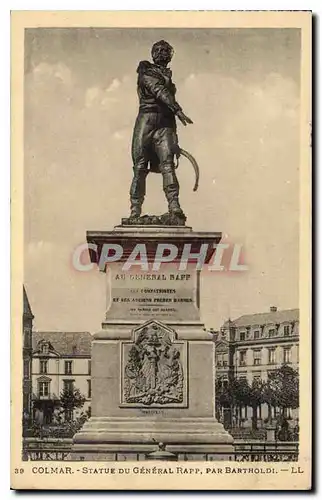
(166, 219)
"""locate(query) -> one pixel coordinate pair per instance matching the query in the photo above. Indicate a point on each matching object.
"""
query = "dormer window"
(256, 334)
(242, 335)
(45, 348)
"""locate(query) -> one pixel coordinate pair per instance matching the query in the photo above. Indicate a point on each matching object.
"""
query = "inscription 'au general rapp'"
(155, 277)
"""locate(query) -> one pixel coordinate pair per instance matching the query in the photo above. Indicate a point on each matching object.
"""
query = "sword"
(193, 162)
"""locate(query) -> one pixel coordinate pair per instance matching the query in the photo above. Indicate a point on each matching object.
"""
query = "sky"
(241, 87)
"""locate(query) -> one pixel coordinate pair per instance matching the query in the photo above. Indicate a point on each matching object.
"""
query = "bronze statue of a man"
(155, 141)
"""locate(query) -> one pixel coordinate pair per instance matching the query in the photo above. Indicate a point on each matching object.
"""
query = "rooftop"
(27, 312)
(66, 343)
(273, 316)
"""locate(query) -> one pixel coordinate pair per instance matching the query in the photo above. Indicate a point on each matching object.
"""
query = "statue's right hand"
(184, 118)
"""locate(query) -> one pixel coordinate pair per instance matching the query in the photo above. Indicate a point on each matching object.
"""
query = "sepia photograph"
(161, 207)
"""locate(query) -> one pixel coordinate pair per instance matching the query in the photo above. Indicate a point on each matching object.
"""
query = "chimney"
(273, 309)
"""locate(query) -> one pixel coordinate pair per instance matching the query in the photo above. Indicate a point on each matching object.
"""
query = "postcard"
(161, 250)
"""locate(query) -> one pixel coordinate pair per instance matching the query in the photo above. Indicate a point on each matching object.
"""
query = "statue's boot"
(171, 189)
(173, 204)
(136, 208)
(137, 191)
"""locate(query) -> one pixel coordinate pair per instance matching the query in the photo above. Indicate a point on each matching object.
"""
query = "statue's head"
(162, 53)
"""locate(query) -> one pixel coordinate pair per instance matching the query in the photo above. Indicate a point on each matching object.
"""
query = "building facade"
(61, 360)
(27, 323)
(252, 346)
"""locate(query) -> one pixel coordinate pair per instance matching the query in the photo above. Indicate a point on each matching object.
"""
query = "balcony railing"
(45, 397)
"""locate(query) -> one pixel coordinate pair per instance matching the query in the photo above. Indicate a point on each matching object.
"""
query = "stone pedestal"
(153, 361)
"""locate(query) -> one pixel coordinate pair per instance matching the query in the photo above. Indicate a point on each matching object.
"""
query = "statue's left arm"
(157, 88)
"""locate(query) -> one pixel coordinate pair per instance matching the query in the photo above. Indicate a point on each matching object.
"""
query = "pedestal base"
(104, 438)
(153, 362)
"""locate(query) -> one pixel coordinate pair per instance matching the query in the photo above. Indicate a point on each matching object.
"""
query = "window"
(89, 367)
(45, 348)
(288, 412)
(259, 412)
(225, 362)
(242, 358)
(275, 412)
(242, 377)
(43, 389)
(287, 331)
(257, 357)
(271, 333)
(287, 355)
(257, 378)
(26, 370)
(43, 366)
(89, 388)
(68, 367)
(244, 412)
(271, 356)
(242, 335)
(69, 385)
(256, 334)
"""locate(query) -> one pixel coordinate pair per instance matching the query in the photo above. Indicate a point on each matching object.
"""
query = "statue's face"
(162, 55)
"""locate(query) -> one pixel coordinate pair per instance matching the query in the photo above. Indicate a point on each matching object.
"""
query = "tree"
(241, 392)
(240, 396)
(70, 399)
(256, 398)
(282, 389)
(232, 395)
(224, 399)
(237, 394)
(223, 396)
(249, 395)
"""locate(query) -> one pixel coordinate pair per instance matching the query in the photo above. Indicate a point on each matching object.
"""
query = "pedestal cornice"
(151, 236)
